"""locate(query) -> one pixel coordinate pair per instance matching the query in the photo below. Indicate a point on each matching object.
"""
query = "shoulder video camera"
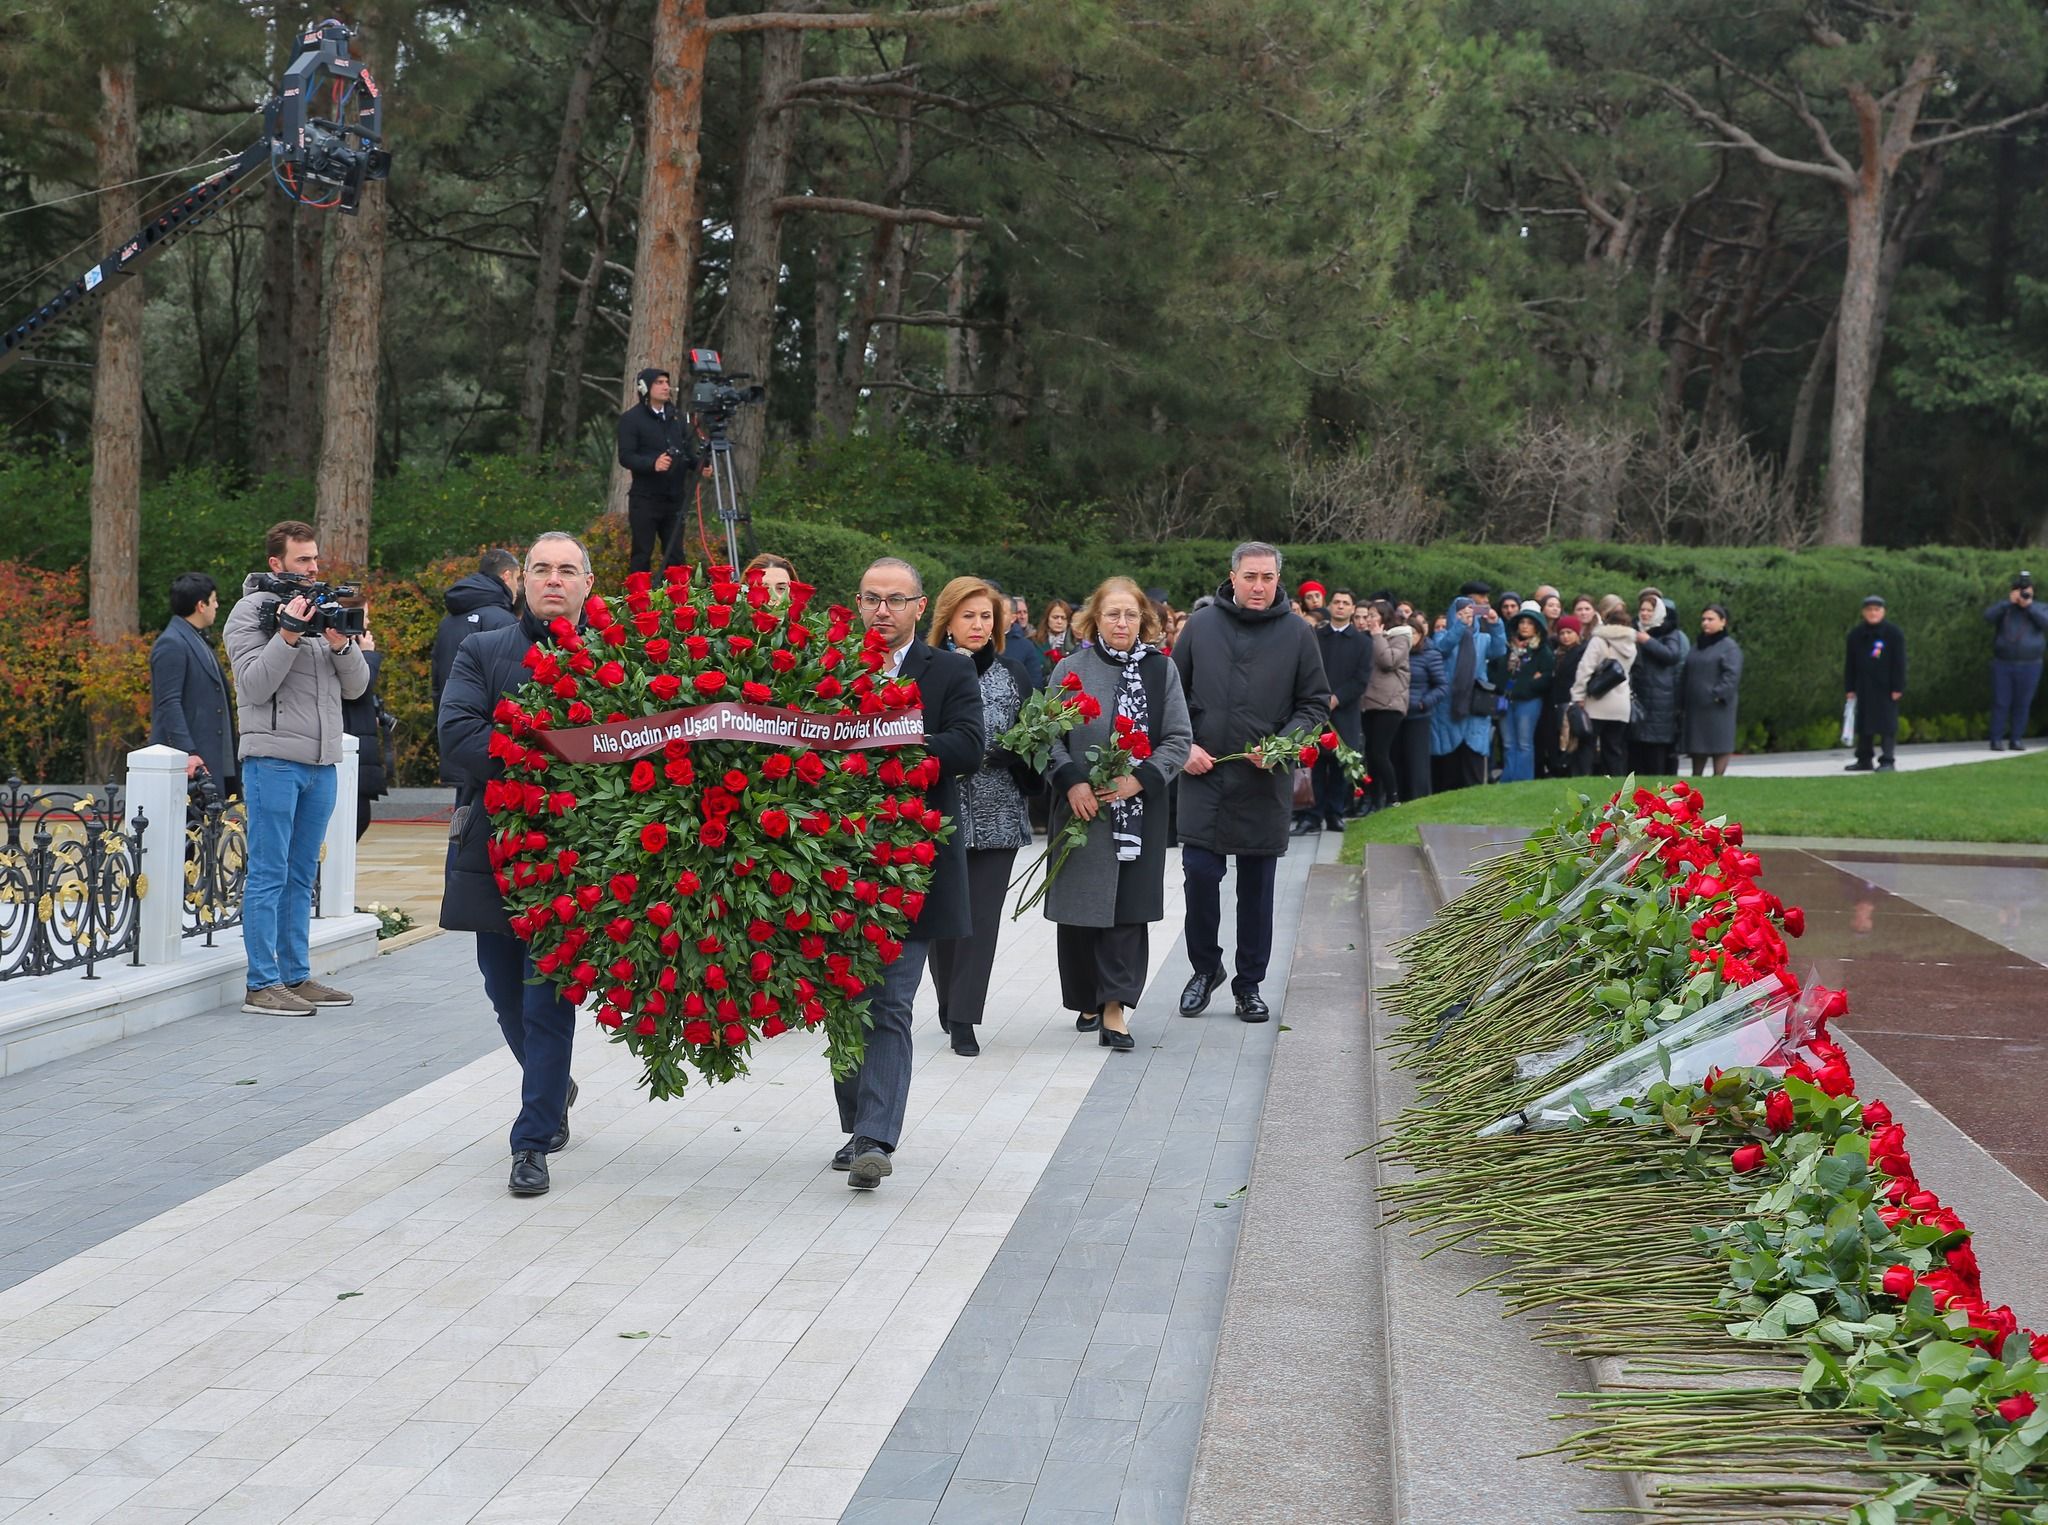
(328, 612)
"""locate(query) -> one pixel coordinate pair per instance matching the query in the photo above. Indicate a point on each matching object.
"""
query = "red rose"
(709, 682)
(1307, 757)
(1898, 1282)
(623, 887)
(1835, 1078)
(609, 1017)
(713, 833)
(665, 686)
(579, 713)
(1070, 681)
(644, 1027)
(658, 649)
(619, 928)
(760, 967)
(2019, 1406)
(817, 823)
(613, 635)
(1091, 708)
(780, 884)
(698, 1033)
(775, 823)
(735, 1035)
(1876, 1115)
(835, 876)
(755, 693)
(653, 836)
(561, 803)
(782, 661)
(611, 675)
(811, 768)
(1778, 1111)
(924, 853)
(643, 777)
(1795, 921)
(828, 687)
(1747, 1158)
(687, 883)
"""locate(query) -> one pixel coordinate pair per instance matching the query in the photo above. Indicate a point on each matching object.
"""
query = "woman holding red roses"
(992, 818)
(1113, 887)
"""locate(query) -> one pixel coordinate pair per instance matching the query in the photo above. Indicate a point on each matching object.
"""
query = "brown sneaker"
(276, 1001)
(317, 994)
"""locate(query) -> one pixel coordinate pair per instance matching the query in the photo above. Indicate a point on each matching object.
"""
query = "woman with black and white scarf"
(1113, 886)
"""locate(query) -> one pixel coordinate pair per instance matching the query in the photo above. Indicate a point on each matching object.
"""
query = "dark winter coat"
(1247, 674)
(1874, 671)
(1713, 676)
(363, 718)
(189, 705)
(1564, 668)
(1022, 653)
(1347, 657)
(477, 603)
(1530, 667)
(1657, 683)
(1094, 889)
(643, 437)
(956, 733)
(2022, 633)
(1427, 684)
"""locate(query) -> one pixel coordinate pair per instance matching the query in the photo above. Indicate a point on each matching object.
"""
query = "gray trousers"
(872, 1098)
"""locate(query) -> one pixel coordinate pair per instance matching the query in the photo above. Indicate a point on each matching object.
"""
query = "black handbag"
(1607, 677)
(1580, 722)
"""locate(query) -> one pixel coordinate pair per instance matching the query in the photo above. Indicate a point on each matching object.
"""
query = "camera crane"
(320, 162)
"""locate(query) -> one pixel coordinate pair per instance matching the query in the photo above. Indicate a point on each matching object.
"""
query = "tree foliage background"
(1130, 269)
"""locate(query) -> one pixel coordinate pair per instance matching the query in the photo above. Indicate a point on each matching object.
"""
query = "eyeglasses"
(897, 602)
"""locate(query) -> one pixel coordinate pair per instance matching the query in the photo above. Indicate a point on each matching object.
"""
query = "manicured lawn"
(1988, 802)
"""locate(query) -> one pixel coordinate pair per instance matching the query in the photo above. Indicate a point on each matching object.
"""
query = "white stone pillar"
(338, 852)
(156, 788)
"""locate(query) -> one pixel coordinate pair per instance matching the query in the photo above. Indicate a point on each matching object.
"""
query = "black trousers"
(1460, 768)
(1382, 727)
(1102, 964)
(1610, 740)
(1204, 871)
(960, 965)
(648, 521)
(1653, 756)
(1412, 755)
(1868, 741)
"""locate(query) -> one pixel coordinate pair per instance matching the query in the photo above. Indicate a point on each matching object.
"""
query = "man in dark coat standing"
(189, 706)
(539, 1026)
(1875, 677)
(872, 1099)
(2017, 647)
(656, 446)
(487, 599)
(1347, 664)
(1249, 670)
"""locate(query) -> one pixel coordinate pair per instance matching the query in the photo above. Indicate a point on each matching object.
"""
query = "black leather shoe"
(867, 1165)
(561, 1140)
(1858, 767)
(843, 1158)
(1087, 1021)
(1305, 829)
(964, 1042)
(529, 1174)
(1117, 1042)
(1194, 1000)
(1252, 1008)
(1998, 746)
(944, 1025)
(1887, 766)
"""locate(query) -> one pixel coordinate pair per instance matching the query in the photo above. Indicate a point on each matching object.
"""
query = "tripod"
(725, 488)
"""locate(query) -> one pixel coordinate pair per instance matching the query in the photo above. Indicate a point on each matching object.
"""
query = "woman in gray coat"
(1113, 886)
(1713, 675)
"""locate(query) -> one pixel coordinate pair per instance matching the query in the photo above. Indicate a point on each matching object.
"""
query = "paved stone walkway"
(310, 1299)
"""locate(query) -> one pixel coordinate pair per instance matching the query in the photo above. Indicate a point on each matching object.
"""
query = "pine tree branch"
(875, 212)
(849, 21)
(1982, 129)
(1733, 136)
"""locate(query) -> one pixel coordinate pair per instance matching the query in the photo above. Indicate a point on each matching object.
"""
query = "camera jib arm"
(322, 142)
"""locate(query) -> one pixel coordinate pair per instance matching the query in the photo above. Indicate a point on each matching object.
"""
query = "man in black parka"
(873, 1098)
(1347, 663)
(1249, 670)
(657, 447)
(538, 1024)
(1875, 677)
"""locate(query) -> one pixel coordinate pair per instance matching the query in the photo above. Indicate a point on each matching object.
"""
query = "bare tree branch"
(849, 21)
(1982, 129)
(1733, 136)
(875, 212)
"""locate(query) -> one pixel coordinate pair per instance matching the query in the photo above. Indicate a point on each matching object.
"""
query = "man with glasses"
(538, 1024)
(1250, 671)
(873, 1098)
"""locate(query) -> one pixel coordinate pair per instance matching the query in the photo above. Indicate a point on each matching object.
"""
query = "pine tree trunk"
(303, 376)
(554, 232)
(1855, 365)
(116, 496)
(1806, 405)
(757, 242)
(661, 262)
(827, 295)
(270, 433)
(960, 340)
(355, 326)
(577, 344)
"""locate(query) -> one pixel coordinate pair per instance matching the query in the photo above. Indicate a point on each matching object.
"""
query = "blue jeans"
(2012, 698)
(1518, 740)
(873, 1098)
(289, 803)
(540, 1029)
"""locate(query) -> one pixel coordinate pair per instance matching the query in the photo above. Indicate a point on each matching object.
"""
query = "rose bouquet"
(1045, 717)
(714, 875)
(1289, 749)
(1127, 747)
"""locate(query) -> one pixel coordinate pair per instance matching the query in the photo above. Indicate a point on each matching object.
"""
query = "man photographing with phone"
(2017, 647)
(656, 445)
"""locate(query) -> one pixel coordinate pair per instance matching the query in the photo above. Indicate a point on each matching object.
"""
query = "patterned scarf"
(1127, 817)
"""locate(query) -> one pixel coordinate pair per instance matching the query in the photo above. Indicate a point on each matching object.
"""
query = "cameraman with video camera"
(657, 446)
(2016, 654)
(293, 649)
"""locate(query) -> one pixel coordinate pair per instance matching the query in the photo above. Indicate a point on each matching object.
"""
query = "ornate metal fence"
(71, 880)
(216, 869)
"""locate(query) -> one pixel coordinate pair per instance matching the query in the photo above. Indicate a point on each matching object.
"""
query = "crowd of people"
(1491, 688)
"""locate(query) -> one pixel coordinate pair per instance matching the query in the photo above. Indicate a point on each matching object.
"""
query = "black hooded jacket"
(1247, 674)
(477, 603)
(644, 436)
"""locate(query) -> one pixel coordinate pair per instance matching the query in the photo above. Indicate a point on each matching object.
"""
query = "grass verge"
(1991, 802)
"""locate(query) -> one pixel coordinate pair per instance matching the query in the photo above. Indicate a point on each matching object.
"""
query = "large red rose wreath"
(711, 894)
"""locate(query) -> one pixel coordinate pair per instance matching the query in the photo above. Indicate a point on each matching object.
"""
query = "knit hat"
(1309, 583)
(1569, 622)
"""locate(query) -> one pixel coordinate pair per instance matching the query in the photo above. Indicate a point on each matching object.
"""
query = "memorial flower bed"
(1625, 1090)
